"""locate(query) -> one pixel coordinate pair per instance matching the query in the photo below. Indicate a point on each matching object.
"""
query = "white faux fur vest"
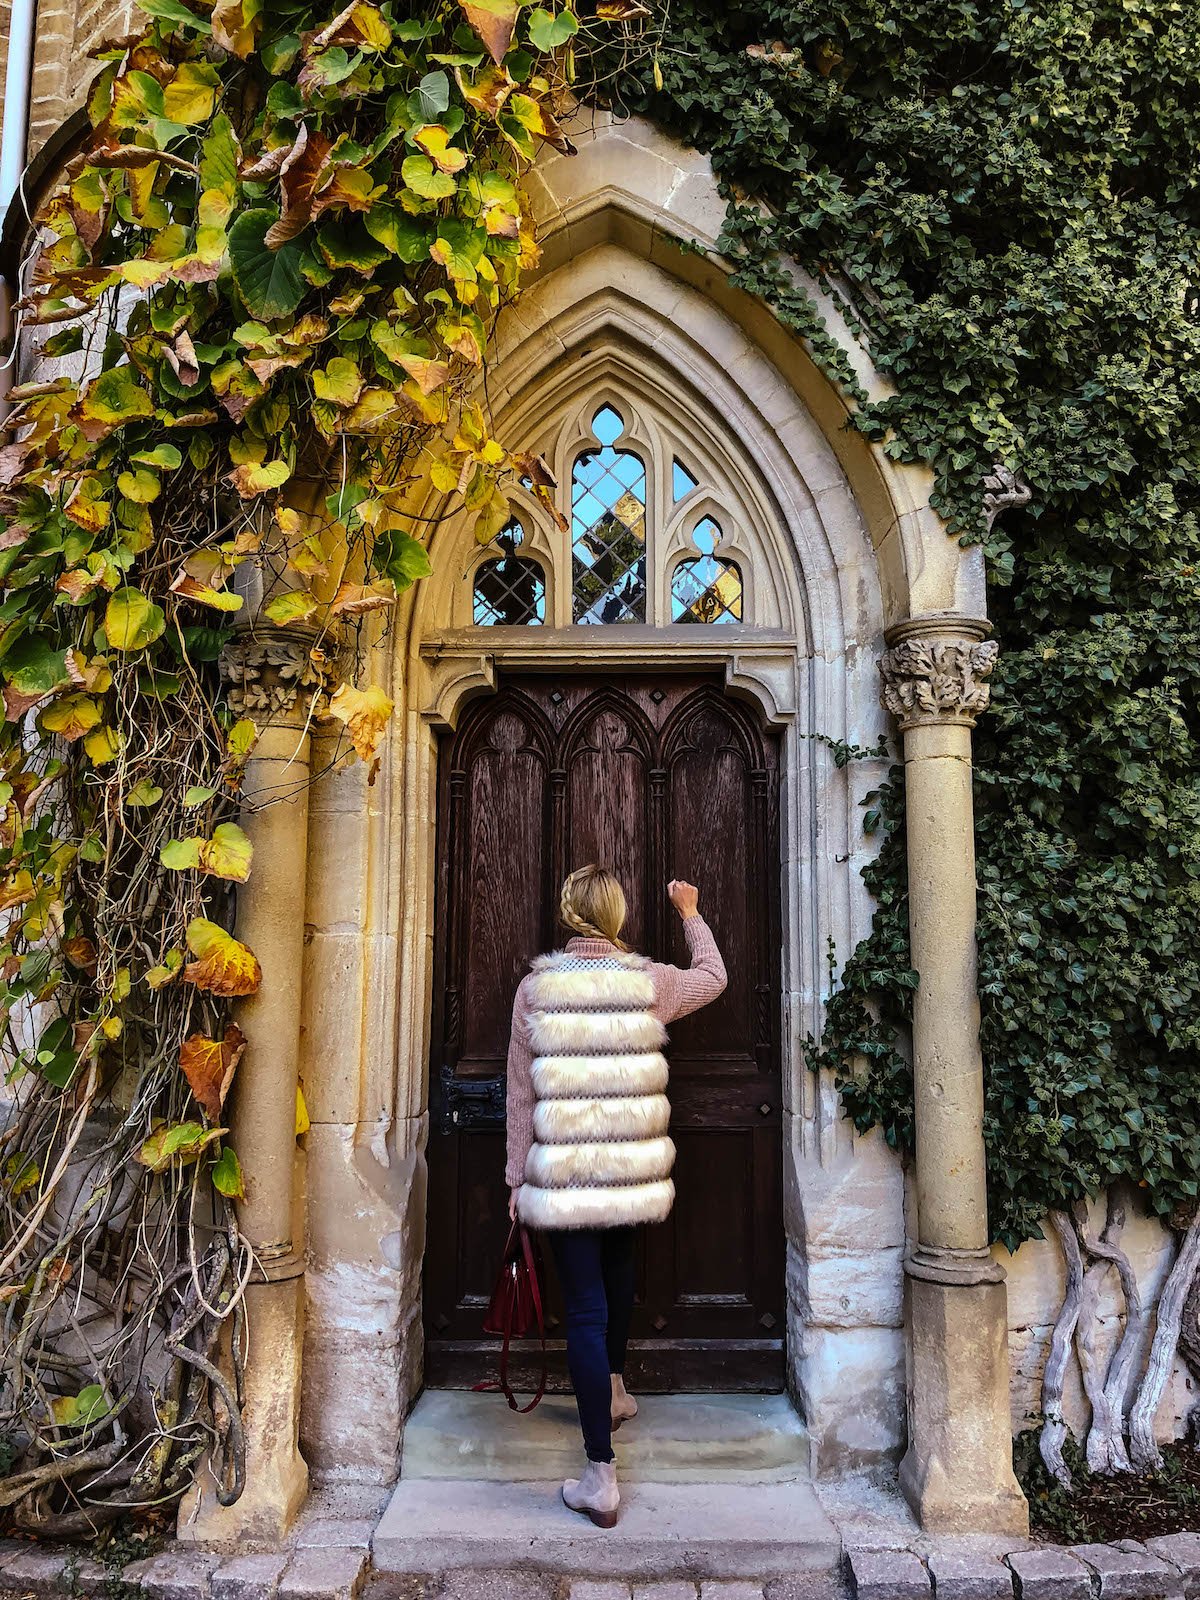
(601, 1156)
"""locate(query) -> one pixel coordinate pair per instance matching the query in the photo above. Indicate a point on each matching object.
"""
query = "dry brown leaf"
(209, 1066)
(493, 21)
(352, 599)
(365, 713)
(81, 953)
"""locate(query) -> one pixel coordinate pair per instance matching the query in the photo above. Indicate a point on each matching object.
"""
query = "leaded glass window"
(706, 588)
(510, 591)
(608, 529)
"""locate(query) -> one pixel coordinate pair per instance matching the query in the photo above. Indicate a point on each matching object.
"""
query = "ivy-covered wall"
(1011, 189)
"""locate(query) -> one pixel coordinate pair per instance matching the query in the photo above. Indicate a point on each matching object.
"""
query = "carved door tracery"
(659, 778)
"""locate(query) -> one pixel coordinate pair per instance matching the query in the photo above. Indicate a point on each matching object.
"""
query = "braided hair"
(593, 905)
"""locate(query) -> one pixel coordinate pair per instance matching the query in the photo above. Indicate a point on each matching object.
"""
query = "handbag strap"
(536, 1292)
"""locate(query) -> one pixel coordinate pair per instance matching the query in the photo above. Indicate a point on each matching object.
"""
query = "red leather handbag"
(516, 1308)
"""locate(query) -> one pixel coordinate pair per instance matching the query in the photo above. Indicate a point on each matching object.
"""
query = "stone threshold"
(709, 1530)
(675, 1438)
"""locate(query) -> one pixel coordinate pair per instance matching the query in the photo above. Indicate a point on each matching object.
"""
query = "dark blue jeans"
(595, 1269)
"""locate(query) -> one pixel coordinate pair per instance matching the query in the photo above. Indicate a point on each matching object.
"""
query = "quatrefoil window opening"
(706, 588)
(510, 590)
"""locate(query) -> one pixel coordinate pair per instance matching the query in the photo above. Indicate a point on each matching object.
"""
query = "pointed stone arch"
(837, 543)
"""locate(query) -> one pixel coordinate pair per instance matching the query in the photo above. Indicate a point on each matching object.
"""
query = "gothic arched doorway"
(658, 776)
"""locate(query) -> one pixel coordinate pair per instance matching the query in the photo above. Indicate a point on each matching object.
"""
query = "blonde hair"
(593, 905)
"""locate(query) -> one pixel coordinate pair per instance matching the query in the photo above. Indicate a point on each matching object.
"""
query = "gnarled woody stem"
(1143, 1448)
(1120, 1368)
(1054, 1430)
(1105, 1444)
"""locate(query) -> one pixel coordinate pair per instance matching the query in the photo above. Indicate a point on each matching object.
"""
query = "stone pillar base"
(957, 1474)
(276, 1474)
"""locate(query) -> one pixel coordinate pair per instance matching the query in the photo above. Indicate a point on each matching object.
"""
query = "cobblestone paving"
(331, 1561)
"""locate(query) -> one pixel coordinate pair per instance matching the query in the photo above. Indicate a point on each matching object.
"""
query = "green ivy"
(1011, 190)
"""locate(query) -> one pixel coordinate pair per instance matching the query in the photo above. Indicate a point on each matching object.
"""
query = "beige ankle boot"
(596, 1494)
(624, 1406)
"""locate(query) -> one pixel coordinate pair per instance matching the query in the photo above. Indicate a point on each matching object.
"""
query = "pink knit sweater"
(677, 991)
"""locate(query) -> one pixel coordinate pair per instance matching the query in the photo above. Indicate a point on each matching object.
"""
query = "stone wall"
(365, 1166)
(1036, 1279)
(62, 68)
(845, 1282)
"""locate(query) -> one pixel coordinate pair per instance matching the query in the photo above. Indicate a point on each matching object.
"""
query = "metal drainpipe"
(14, 138)
(18, 73)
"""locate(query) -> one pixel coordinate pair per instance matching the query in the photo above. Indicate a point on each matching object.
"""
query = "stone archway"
(865, 556)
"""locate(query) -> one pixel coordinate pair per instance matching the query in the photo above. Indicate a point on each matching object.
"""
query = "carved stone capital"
(276, 674)
(933, 674)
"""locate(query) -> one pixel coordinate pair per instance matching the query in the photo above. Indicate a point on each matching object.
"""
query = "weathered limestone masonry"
(957, 1473)
(365, 1148)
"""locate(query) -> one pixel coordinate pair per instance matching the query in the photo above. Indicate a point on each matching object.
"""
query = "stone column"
(957, 1474)
(272, 679)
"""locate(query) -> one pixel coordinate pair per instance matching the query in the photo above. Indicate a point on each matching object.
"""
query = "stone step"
(706, 1530)
(675, 1438)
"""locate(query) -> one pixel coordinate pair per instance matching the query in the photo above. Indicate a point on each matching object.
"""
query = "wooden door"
(657, 778)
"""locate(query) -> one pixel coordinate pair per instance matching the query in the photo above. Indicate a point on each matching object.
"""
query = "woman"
(588, 1152)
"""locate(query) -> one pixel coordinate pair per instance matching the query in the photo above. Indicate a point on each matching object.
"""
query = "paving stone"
(887, 1575)
(1128, 1574)
(248, 1577)
(331, 1574)
(1049, 1574)
(807, 1586)
(35, 1570)
(677, 1590)
(587, 1590)
(1182, 1550)
(716, 1589)
(399, 1586)
(174, 1575)
(87, 1577)
(478, 1583)
(351, 1533)
(958, 1576)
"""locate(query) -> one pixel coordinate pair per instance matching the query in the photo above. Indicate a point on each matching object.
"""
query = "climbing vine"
(262, 296)
(1011, 194)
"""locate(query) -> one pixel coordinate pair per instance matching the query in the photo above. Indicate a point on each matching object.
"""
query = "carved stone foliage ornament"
(1003, 488)
(931, 680)
(271, 674)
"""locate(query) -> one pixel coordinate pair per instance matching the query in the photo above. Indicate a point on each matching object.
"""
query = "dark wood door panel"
(504, 848)
(657, 777)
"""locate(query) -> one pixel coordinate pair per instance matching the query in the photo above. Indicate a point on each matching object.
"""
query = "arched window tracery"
(656, 521)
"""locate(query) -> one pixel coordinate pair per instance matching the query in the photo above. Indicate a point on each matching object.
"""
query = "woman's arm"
(680, 990)
(520, 1094)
